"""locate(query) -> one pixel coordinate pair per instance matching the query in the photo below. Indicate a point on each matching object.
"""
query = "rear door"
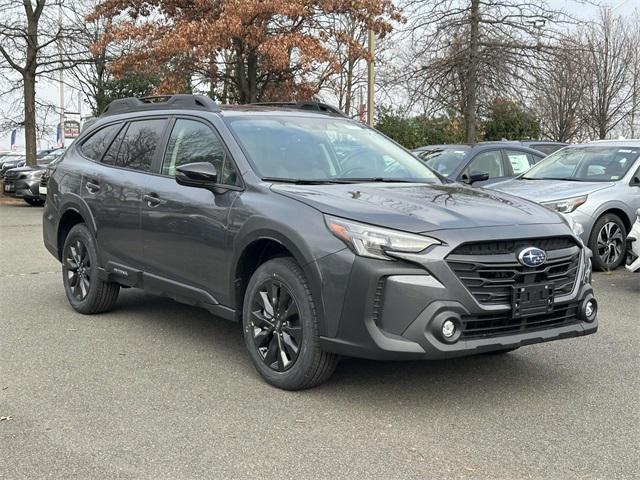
(185, 231)
(519, 161)
(114, 190)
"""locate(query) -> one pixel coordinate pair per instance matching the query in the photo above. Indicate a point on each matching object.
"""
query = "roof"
(615, 143)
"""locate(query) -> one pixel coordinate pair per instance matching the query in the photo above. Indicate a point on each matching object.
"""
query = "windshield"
(586, 163)
(444, 160)
(324, 149)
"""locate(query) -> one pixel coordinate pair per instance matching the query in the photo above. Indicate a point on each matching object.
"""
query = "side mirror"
(475, 176)
(198, 174)
(635, 181)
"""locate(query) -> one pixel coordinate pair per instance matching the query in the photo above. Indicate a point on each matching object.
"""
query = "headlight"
(576, 227)
(567, 205)
(374, 242)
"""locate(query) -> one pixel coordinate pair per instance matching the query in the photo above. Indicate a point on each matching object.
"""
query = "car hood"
(549, 190)
(420, 208)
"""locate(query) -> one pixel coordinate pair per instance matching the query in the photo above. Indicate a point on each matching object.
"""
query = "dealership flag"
(14, 133)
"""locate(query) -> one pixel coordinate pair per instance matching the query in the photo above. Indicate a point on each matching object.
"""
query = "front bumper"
(633, 254)
(27, 188)
(395, 310)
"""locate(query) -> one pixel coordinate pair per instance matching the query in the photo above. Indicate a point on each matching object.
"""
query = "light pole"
(371, 77)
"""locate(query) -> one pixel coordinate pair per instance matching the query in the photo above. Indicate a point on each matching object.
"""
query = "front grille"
(43, 181)
(490, 277)
(503, 324)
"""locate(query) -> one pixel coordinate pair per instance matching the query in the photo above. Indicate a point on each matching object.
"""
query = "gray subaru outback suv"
(320, 235)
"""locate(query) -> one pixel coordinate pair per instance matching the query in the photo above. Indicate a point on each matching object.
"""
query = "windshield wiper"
(565, 179)
(375, 179)
(298, 181)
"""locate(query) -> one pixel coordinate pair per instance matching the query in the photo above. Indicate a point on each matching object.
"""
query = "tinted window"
(444, 161)
(520, 161)
(547, 148)
(97, 143)
(139, 144)
(110, 157)
(490, 162)
(192, 142)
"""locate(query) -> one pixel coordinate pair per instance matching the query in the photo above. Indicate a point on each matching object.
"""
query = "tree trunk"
(471, 82)
(29, 80)
(252, 76)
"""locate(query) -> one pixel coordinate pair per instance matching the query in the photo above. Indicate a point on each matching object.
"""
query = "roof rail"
(160, 102)
(304, 105)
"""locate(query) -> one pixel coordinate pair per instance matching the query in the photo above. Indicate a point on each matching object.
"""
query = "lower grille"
(503, 324)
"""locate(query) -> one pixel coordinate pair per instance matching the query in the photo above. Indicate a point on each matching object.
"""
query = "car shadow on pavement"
(472, 378)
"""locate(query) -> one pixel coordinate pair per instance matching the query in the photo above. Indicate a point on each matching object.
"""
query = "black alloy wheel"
(86, 291)
(77, 268)
(276, 326)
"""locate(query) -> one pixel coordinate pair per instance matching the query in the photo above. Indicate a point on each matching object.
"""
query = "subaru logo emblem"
(532, 257)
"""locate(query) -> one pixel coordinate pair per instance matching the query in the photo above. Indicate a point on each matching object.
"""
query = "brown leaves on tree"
(246, 50)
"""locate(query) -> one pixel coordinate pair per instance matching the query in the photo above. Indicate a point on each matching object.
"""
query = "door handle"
(153, 200)
(92, 187)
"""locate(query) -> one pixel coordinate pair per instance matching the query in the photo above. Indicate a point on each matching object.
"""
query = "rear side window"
(489, 162)
(97, 143)
(111, 156)
(520, 161)
(139, 144)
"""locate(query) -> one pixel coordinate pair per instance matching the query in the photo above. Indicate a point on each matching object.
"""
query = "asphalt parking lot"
(159, 390)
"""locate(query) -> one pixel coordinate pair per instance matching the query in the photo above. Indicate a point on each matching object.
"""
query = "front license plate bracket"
(532, 300)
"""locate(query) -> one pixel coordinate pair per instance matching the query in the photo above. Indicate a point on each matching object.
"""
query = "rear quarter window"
(95, 146)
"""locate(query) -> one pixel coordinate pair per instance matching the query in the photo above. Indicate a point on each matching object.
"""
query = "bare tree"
(30, 32)
(609, 54)
(559, 91)
(467, 52)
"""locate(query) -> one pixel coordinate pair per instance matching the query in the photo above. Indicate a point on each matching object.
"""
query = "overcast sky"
(48, 92)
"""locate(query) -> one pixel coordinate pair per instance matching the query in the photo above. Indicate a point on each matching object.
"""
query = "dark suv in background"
(322, 236)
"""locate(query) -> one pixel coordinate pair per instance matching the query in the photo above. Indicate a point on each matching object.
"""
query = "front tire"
(86, 292)
(280, 327)
(607, 241)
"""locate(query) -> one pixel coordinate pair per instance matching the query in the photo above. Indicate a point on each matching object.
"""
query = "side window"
(111, 156)
(97, 143)
(190, 142)
(490, 162)
(139, 144)
(520, 161)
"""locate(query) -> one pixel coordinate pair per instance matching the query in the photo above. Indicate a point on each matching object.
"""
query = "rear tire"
(607, 241)
(280, 327)
(86, 292)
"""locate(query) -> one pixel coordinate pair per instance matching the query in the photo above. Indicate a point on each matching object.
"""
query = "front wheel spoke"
(261, 337)
(72, 277)
(290, 345)
(294, 331)
(266, 303)
(291, 311)
(261, 319)
(84, 286)
(275, 296)
(283, 360)
(271, 354)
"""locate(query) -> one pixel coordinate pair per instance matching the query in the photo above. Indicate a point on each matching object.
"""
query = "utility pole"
(371, 77)
(61, 79)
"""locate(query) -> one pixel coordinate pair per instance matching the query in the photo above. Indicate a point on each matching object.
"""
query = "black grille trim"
(490, 278)
(503, 324)
(502, 247)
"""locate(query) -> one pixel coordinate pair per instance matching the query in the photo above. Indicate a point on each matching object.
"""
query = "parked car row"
(23, 181)
(596, 184)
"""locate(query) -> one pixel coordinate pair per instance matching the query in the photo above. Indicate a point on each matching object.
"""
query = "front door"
(186, 240)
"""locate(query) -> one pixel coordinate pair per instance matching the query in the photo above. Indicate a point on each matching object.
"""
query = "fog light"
(448, 329)
(589, 309)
